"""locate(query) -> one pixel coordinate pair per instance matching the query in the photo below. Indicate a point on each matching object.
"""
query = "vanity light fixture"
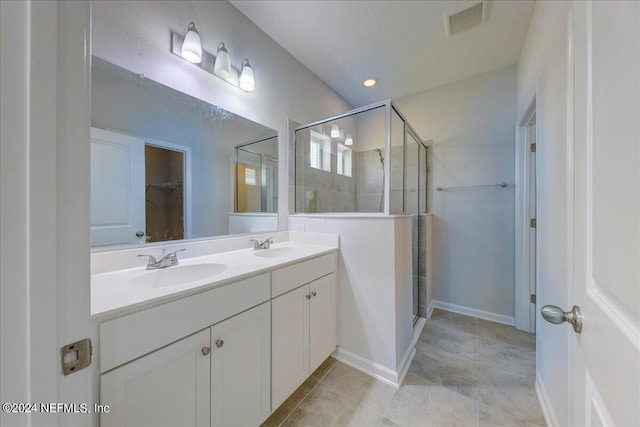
(190, 49)
(335, 131)
(348, 140)
(222, 66)
(370, 81)
(247, 82)
(192, 46)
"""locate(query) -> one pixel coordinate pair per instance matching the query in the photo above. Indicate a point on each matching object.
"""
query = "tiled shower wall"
(318, 190)
(369, 182)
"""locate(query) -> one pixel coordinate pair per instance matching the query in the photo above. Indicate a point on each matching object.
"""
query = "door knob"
(206, 351)
(553, 314)
(219, 343)
(140, 233)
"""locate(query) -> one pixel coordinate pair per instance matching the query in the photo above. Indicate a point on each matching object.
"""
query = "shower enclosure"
(368, 161)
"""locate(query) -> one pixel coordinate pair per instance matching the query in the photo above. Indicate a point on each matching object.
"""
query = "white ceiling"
(403, 43)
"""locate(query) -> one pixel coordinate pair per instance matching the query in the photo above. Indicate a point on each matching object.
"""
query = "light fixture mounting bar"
(208, 60)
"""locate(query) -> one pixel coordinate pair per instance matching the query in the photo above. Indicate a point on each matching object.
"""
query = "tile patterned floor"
(467, 372)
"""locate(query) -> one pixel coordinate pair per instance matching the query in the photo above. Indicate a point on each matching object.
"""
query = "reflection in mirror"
(163, 164)
(256, 189)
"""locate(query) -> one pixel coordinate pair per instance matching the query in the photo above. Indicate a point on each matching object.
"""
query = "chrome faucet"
(166, 261)
(265, 244)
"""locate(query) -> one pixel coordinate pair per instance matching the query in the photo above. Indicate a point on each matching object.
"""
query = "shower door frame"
(389, 106)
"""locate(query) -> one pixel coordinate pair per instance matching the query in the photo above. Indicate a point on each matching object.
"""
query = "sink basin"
(277, 252)
(177, 275)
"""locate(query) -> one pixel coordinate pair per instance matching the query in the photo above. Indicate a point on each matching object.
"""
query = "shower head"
(379, 151)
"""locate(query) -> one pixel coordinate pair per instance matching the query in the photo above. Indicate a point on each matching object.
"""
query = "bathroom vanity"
(226, 348)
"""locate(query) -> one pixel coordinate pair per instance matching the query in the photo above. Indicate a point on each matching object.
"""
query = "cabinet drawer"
(132, 336)
(296, 275)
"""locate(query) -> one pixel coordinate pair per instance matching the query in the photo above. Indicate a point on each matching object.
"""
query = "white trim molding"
(376, 370)
(545, 403)
(474, 312)
(523, 264)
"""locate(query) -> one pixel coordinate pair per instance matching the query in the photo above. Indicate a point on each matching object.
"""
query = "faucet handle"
(256, 244)
(152, 259)
(172, 257)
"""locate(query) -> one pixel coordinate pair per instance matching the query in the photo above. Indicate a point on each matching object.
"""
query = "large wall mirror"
(167, 166)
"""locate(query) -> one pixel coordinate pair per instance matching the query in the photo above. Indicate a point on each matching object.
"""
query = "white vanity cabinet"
(220, 376)
(241, 369)
(168, 387)
(304, 323)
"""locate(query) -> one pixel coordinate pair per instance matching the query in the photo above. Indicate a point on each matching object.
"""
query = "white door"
(241, 369)
(290, 343)
(117, 188)
(606, 355)
(322, 320)
(169, 387)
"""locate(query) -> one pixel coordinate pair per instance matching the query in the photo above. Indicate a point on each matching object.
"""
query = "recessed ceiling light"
(370, 81)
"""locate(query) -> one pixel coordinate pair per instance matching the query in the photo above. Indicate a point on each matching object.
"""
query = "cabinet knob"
(206, 351)
(313, 294)
(219, 343)
(308, 296)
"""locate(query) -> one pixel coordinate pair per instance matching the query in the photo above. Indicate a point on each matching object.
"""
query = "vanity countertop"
(124, 291)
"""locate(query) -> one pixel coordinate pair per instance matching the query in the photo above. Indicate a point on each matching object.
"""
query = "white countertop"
(112, 292)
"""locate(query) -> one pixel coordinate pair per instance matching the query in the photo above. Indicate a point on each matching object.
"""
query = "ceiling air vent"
(469, 16)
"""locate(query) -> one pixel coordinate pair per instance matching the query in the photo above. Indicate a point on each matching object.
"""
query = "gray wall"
(472, 124)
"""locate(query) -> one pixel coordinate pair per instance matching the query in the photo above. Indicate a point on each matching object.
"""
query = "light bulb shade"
(222, 67)
(335, 131)
(192, 46)
(247, 81)
(348, 140)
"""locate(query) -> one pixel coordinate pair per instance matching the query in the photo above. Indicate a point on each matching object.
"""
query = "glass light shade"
(191, 46)
(349, 140)
(335, 131)
(247, 81)
(222, 67)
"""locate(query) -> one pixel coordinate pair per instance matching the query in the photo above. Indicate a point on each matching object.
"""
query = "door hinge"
(533, 147)
(533, 298)
(532, 223)
(76, 356)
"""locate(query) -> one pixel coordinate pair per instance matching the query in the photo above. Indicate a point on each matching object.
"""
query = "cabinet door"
(241, 369)
(169, 387)
(322, 319)
(290, 343)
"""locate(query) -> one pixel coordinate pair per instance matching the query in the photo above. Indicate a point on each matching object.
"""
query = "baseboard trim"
(430, 309)
(369, 367)
(474, 312)
(545, 403)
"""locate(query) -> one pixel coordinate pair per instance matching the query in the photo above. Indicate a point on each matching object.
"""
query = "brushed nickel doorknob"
(219, 343)
(554, 314)
(206, 351)
(313, 294)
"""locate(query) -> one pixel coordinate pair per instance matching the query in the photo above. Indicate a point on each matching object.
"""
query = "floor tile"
(506, 334)
(450, 340)
(510, 393)
(514, 359)
(449, 370)
(454, 320)
(291, 403)
(422, 403)
(493, 417)
(324, 368)
(325, 406)
(360, 387)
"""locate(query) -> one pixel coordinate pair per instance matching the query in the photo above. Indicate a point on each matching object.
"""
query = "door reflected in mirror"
(164, 165)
